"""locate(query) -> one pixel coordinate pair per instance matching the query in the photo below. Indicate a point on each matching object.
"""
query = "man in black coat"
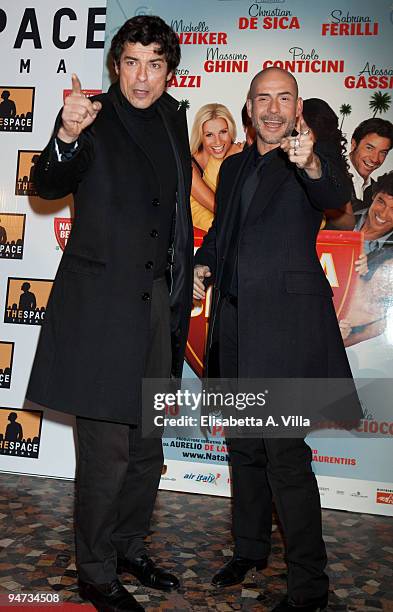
(274, 318)
(121, 300)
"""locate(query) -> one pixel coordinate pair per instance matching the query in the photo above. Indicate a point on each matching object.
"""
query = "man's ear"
(169, 76)
(249, 106)
(116, 68)
(353, 144)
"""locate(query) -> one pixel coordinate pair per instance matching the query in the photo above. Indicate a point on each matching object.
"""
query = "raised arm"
(67, 155)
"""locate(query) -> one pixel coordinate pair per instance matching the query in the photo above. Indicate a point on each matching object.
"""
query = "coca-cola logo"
(384, 497)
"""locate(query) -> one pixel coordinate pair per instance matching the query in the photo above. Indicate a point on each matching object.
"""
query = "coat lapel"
(276, 173)
(231, 204)
(172, 120)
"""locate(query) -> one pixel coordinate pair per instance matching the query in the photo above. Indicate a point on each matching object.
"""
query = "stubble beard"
(272, 139)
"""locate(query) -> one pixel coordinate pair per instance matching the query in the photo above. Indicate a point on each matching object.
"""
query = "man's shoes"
(235, 571)
(111, 597)
(316, 605)
(148, 573)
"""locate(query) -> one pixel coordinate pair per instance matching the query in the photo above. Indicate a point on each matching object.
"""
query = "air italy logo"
(12, 235)
(20, 432)
(16, 109)
(26, 300)
(6, 359)
(206, 478)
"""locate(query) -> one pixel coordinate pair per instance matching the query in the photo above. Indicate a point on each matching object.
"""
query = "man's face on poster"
(143, 74)
(369, 154)
(274, 106)
(380, 214)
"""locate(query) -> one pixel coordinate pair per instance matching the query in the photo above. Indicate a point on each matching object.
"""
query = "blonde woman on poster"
(212, 140)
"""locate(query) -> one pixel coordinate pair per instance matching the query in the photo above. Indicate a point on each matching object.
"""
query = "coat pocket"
(82, 265)
(307, 283)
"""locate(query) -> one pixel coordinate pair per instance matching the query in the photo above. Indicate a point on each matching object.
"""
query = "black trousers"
(119, 471)
(262, 468)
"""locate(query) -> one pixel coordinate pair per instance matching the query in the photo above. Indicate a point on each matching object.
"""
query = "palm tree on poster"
(380, 102)
(345, 111)
(184, 104)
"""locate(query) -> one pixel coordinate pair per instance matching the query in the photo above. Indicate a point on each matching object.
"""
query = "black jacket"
(91, 353)
(287, 325)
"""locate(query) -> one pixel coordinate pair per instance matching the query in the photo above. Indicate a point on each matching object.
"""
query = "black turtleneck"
(152, 134)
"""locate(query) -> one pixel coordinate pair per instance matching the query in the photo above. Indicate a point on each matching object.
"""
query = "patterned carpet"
(191, 536)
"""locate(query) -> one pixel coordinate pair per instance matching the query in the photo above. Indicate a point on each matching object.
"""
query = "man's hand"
(300, 150)
(345, 328)
(200, 272)
(361, 265)
(78, 113)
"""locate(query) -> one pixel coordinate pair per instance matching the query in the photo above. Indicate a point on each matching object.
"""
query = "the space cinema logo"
(6, 359)
(26, 300)
(20, 432)
(16, 109)
(24, 183)
(62, 227)
(12, 235)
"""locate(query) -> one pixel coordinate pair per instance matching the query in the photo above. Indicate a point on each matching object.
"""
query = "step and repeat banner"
(341, 53)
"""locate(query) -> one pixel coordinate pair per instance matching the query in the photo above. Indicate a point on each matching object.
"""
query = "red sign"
(63, 227)
(87, 92)
(337, 251)
(383, 497)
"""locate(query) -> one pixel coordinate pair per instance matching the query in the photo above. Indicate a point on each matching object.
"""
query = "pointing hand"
(300, 150)
(78, 113)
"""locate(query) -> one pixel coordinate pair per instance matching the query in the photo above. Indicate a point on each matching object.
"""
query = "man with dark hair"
(273, 317)
(370, 144)
(121, 300)
(376, 222)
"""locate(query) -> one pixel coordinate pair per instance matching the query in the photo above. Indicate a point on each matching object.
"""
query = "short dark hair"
(323, 121)
(376, 125)
(246, 119)
(148, 29)
(383, 184)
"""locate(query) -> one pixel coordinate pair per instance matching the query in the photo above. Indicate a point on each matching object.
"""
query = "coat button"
(156, 202)
(145, 297)
(154, 233)
(149, 265)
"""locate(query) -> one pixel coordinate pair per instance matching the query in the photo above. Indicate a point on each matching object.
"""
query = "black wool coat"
(287, 325)
(91, 352)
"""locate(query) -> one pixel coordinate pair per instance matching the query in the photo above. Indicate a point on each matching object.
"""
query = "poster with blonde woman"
(212, 139)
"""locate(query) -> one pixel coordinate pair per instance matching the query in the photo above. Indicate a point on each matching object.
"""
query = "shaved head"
(270, 72)
(274, 106)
